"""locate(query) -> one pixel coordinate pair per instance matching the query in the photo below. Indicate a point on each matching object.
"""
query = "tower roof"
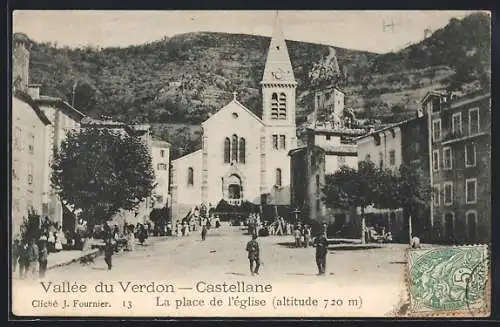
(278, 66)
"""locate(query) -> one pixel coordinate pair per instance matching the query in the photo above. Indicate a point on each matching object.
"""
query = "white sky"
(361, 30)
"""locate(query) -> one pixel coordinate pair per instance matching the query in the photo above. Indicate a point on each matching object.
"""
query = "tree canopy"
(350, 187)
(101, 172)
(407, 188)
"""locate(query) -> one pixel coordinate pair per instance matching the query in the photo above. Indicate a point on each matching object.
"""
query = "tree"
(102, 172)
(348, 188)
(407, 188)
(30, 228)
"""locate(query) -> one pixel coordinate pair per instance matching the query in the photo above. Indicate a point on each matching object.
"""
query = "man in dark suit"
(321, 245)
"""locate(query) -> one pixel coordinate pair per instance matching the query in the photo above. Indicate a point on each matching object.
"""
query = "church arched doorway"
(234, 190)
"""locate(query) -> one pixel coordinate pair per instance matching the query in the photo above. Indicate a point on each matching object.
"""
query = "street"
(377, 274)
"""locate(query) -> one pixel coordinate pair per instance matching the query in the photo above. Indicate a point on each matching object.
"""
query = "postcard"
(251, 164)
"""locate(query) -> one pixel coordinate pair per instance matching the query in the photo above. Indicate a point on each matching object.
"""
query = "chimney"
(34, 91)
(20, 61)
(420, 112)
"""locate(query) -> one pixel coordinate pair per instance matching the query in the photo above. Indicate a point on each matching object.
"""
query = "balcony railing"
(452, 136)
(234, 202)
(460, 136)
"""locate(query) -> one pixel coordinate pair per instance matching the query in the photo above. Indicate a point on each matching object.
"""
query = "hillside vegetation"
(183, 79)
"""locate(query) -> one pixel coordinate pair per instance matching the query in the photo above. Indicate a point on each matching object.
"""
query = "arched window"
(234, 148)
(190, 176)
(227, 150)
(274, 106)
(278, 177)
(282, 106)
(242, 150)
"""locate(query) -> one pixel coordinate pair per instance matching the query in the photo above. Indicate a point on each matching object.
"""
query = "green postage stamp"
(449, 281)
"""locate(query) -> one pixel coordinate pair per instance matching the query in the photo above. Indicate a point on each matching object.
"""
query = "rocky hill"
(181, 80)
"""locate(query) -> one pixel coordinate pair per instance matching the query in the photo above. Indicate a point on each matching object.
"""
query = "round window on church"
(235, 115)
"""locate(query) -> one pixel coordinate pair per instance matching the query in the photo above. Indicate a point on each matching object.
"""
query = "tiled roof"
(61, 104)
(160, 143)
(344, 148)
(296, 150)
(388, 128)
(23, 96)
(102, 122)
(329, 128)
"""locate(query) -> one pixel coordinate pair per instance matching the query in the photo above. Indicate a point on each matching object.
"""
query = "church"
(244, 157)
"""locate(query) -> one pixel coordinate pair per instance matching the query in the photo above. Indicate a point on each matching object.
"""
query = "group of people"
(195, 219)
(31, 256)
(302, 235)
(30, 249)
(280, 227)
(377, 234)
(56, 239)
(320, 242)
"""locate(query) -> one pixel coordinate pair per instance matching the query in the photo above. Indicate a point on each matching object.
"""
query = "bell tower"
(279, 134)
(278, 83)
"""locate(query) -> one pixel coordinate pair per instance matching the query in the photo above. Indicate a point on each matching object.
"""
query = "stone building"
(329, 145)
(243, 156)
(460, 156)
(30, 127)
(160, 151)
(29, 134)
(62, 116)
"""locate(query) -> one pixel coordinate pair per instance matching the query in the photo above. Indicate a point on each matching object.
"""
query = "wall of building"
(329, 105)
(415, 151)
(379, 151)
(299, 178)
(450, 219)
(161, 164)
(28, 154)
(377, 147)
(20, 63)
(62, 123)
(184, 196)
(217, 173)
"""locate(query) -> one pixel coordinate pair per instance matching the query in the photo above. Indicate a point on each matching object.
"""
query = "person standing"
(204, 232)
(42, 257)
(321, 245)
(23, 259)
(108, 252)
(279, 227)
(33, 256)
(16, 252)
(307, 236)
(297, 235)
(253, 255)
(143, 234)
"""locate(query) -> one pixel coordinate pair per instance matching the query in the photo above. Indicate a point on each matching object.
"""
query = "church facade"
(244, 157)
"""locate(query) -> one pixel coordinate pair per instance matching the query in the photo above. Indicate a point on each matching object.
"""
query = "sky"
(360, 30)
